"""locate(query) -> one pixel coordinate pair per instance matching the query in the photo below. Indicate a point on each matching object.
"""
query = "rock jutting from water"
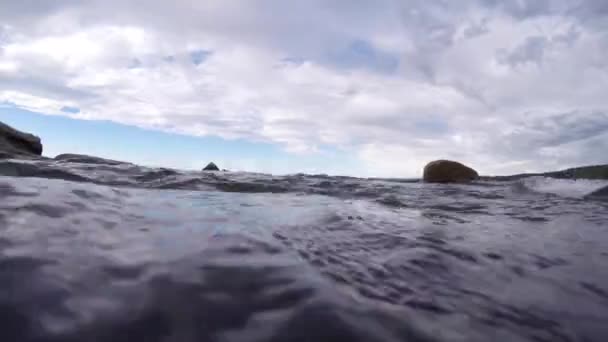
(601, 193)
(447, 171)
(17, 144)
(211, 167)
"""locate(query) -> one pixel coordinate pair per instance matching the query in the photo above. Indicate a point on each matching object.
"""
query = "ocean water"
(95, 252)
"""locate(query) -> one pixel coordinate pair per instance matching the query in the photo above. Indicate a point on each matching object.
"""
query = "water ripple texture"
(119, 252)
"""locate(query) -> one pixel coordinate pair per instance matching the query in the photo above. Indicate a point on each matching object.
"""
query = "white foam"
(564, 187)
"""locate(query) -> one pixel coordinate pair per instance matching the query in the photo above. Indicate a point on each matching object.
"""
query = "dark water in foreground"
(123, 253)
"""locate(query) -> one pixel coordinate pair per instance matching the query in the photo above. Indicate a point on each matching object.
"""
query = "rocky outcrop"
(599, 194)
(84, 159)
(211, 167)
(447, 171)
(17, 144)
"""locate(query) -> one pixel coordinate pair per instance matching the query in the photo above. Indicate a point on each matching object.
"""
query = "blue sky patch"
(111, 140)
(432, 126)
(293, 60)
(360, 54)
(199, 56)
(71, 110)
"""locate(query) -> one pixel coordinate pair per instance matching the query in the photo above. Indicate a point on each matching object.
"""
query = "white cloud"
(484, 82)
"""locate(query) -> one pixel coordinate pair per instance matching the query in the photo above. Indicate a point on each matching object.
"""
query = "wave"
(230, 256)
(572, 188)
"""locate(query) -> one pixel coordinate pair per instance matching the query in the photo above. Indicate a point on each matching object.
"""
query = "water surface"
(94, 252)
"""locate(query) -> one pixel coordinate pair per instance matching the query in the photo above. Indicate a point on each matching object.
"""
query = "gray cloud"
(44, 88)
(495, 83)
(574, 126)
(522, 9)
(531, 50)
(569, 138)
(477, 29)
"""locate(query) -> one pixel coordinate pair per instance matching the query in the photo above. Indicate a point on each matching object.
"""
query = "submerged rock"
(17, 144)
(447, 171)
(211, 167)
(84, 159)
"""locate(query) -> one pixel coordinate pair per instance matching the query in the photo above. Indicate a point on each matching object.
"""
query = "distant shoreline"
(15, 144)
(583, 172)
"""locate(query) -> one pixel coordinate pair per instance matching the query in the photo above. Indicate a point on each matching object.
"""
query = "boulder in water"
(17, 144)
(447, 171)
(211, 167)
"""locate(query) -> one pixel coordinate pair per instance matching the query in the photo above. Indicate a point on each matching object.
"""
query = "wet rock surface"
(17, 144)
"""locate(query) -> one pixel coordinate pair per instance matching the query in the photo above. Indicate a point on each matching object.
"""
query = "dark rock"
(599, 194)
(84, 159)
(17, 144)
(447, 171)
(211, 167)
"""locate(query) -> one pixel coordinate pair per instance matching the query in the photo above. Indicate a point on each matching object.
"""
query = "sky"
(351, 87)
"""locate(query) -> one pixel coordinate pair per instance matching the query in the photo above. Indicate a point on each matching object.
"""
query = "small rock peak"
(211, 167)
(448, 171)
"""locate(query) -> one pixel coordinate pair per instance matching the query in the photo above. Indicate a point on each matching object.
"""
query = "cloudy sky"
(368, 88)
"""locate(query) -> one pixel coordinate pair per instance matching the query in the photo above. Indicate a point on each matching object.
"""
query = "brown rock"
(447, 171)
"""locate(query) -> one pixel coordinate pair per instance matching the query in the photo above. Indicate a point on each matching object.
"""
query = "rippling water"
(95, 252)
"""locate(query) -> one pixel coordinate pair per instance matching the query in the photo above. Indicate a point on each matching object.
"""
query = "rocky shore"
(15, 144)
